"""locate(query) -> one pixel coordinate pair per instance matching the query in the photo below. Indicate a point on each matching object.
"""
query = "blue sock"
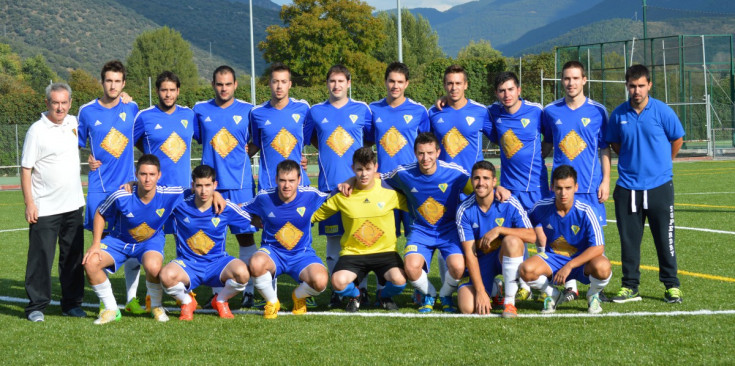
(349, 291)
(391, 290)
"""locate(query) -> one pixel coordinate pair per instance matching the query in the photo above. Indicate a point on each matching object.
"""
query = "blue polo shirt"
(644, 161)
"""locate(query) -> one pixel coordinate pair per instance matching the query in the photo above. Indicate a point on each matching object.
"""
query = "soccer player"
(575, 126)
(336, 127)
(201, 257)
(224, 134)
(286, 242)
(493, 236)
(108, 123)
(575, 245)
(646, 134)
(136, 219)
(369, 241)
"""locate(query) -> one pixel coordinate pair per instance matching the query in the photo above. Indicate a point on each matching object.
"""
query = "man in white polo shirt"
(52, 191)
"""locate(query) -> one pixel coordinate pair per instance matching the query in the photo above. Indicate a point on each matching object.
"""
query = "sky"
(391, 4)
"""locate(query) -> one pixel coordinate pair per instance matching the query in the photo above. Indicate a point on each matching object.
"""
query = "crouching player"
(369, 241)
(286, 242)
(201, 257)
(576, 247)
(136, 218)
(493, 234)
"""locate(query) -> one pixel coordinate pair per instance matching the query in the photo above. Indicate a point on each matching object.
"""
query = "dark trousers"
(68, 229)
(660, 215)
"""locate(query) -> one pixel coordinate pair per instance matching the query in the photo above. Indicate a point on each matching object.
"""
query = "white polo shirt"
(51, 150)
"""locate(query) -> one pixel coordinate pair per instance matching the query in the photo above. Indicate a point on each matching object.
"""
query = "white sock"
(132, 275)
(596, 285)
(523, 284)
(449, 286)
(442, 268)
(155, 291)
(104, 292)
(244, 255)
(333, 249)
(571, 284)
(231, 289)
(304, 290)
(542, 284)
(510, 277)
(423, 285)
(264, 284)
(178, 292)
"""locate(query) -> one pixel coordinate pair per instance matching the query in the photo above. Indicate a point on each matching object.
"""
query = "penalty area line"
(692, 229)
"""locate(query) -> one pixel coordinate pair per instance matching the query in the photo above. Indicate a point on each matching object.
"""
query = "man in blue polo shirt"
(646, 134)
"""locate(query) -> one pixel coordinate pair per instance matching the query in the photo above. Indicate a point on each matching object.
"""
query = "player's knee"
(525, 272)
(319, 282)
(167, 276)
(602, 268)
(465, 300)
(513, 246)
(257, 265)
(241, 275)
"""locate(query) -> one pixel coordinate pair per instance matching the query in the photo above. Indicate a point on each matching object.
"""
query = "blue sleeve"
(425, 125)
(138, 128)
(464, 227)
(369, 130)
(197, 126)
(612, 131)
(519, 218)
(367, 127)
(494, 131)
(671, 124)
(82, 131)
(487, 124)
(236, 216)
(592, 227)
(253, 206)
(546, 127)
(602, 141)
(308, 128)
(254, 131)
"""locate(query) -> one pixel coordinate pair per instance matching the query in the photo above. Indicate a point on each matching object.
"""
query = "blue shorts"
(528, 198)
(94, 199)
(405, 218)
(120, 251)
(591, 199)
(291, 265)
(204, 272)
(168, 226)
(332, 226)
(239, 197)
(556, 261)
(490, 267)
(425, 245)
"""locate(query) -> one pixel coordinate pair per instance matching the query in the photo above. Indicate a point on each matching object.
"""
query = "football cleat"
(427, 305)
(594, 305)
(353, 304)
(448, 304)
(133, 307)
(107, 316)
(187, 310)
(523, 294)
(386, 303)
(626, 295)
(364, 298)
(102, 308)
(673, 295)
(248, 300)
(270, 310)
(335, 301)
(159, 313)
(499, 298)
(147, 303)
(509, 311)
(260, 304)
(417, 297)
(311, 303)
(549, 305)
(569, 295)
(223, 308)
(299, 305)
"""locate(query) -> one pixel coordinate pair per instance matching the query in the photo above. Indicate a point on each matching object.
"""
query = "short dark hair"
(564, 172)
(573, 65)
(339, 69)
(224, 69)
(167, 76)
(505, 76)
(114, 66)
(364, 156)
(425, 138)
(455, 69)
(398, 67)
(203, 171)
(636, 72)
(279, 66)
(148, 159)
(288, 165)
(484, 165)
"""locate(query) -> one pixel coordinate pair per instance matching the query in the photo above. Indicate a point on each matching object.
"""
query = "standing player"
(224, 134)
(108, 123)
(286, 247)
(201, 257)
(369, 241)
(136, 219)
(575, 245)
(575, 127)
(493, 234)
(336, 128)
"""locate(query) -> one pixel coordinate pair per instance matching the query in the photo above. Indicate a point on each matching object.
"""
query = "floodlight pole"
(252, 57)
(645, 20)
(400, 36)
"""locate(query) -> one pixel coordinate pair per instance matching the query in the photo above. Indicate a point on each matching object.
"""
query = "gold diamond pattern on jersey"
(432, 211)
(174, 147)
(495, 244)
(200, 243)
(562, 247)
(284, 143)
(223, 142)
(572, 145)
(289, 236)
(368, 234)
(340, 141)
(454, 142)
(392, 141)
(141, 232)
(114, 143)
(511, 144)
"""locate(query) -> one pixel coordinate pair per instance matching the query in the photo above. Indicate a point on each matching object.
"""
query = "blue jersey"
(168, 137)
(110, 133)
(133, 221)
(460, 132)
(473, 223)
(223, 134)
(202, 235)
(279, 133)
(577, 136)
(286, 226)
(570, 235)
(519, 137)
(338, 132)
(394, 131)
(433, 199)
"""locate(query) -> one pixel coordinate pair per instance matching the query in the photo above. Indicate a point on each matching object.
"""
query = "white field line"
(10, 230)
(693, 229)
(701, 193)
(440, 315)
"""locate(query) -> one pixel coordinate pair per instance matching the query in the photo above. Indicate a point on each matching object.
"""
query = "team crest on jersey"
(353, 118)
(525, 122)
(296, 117)
(160, 212)
(499, 221)
(301, 211)
(407, 117)
(443, 187)
(185, 123)
(237, 119)
(381, 204)
(575, 229)
(123, 115)
(585, 121)
(470, 120)
(215, 221)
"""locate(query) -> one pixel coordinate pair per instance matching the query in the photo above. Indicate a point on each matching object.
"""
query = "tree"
(83, 82)
(481, 49)
(160, 50)
(420, 41)
(320, 33)
(37, 73)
